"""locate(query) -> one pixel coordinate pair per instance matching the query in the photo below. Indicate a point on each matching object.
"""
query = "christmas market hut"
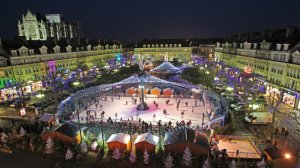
(118, 140)
(67, 133)
(177, 140)
(155, 91)
(147, 142)
(131, 91)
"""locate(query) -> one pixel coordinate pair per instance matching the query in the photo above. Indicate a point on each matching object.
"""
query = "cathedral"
(49, 26)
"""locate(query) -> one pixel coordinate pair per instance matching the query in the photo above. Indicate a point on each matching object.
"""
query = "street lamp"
(287, 156)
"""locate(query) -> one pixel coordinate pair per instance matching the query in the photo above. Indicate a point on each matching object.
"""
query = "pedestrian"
(276, 131)
(126, 103)
(186, 103)
(112, 99)
(229, 139)
(119, 97)
(192, 108)
(156, 106)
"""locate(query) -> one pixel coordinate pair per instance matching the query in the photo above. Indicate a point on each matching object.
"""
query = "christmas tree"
(49, 146)
(206, 164)
(94, 146)
(261, 164)
(132, 157)
(83, 147)
(3, 137)
(22, 131)
(233, 164)
(146, 157)
(116, 154)
(69, 154)
(187, 157)
(169, 162)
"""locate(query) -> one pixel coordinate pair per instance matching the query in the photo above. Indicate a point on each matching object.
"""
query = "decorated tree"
(3, 137)
(69, 154)
(94, 146)
(132, 157)
(49, 146)
(232, 164)
(169, 162)
(187, 157)
(146, 157)
(206, 164)
(261, 164)
(116, 154)
(22, 131)
(83, 147)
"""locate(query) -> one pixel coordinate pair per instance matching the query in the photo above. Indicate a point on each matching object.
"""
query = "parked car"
(259, 118)
(16, 104)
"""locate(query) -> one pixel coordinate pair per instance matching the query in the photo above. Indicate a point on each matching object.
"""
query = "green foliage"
(198, 76)
(226, 130)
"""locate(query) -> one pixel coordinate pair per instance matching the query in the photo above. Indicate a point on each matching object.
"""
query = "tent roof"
(119, 137)
(148, 137)
(68, 128)
(150, 79)
(186, 135)
(166, 67)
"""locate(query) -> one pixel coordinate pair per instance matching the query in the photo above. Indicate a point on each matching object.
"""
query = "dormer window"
(254, 45)
(166, 45)
(179, 45)
(278, 47)
(170, 45)
(14, 52)
(56, 49)
(44, 50)
(31, 52)
(144, 46)
(175, 45)
(69, 48)
(247, 45)
(88, 47)
(23, 51)
(156, 45)
(286, 47)
(148, 46)
(161, 45)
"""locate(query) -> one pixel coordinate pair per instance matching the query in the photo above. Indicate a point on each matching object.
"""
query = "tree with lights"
(83, 147)
(169, 162)
(146, 157)
(116, 154)
(132, 157)
(69, 154)
(22, 131)
(187, 157)
(206, 164)
(261, 164)
(232, 164)
(3, 137)
(49, 148)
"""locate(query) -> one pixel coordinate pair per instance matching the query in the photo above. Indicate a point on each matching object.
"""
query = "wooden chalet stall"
(177, 140)
(168, 92)
(118, 140)
(131, 91)
(147, 142)
(155, 91)
(67, 133)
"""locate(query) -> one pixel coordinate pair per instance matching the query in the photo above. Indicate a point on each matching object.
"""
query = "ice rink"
(118, 109)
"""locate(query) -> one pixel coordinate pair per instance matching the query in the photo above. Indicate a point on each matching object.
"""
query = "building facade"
(32, 64)
(37, 27)
(278, 63)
